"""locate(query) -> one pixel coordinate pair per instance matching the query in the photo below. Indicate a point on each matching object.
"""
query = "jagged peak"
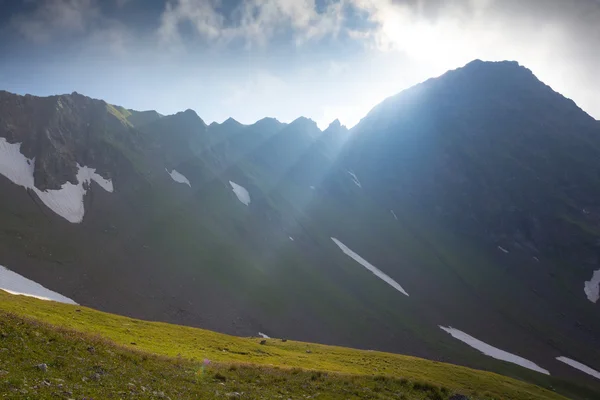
(336, 125)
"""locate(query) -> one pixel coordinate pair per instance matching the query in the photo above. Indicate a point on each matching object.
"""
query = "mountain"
(460, 211)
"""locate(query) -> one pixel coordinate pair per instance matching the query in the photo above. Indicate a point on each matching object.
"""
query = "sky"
(322, 59)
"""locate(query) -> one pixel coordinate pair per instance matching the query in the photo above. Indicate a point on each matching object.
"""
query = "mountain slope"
(496, 157)
(131, 360)
(425, 222)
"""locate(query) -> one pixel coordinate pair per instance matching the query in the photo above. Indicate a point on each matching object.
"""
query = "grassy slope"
(121, 361)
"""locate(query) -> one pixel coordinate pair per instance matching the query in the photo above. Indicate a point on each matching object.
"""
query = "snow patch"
(354, 179)
(369, 266)
(394, 214)
(66, 201)
(178, 177)
(14, 283)
(241, 193)
(291, 238)
(502, 249)
(592, 287)
(262, 335)
(14, 165)
(492, 351)
(580, 366)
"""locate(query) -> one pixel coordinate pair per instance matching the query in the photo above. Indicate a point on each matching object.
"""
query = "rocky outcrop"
(60, 132)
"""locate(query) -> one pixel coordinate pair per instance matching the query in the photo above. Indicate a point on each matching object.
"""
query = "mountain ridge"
(478, 198)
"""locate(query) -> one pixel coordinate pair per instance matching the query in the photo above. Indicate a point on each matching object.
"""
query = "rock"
(263, 342)
(233, 395)
(91, 349)
(95, 376)
(42, 367)
(308, 351)
(284, 340)
(458, 397)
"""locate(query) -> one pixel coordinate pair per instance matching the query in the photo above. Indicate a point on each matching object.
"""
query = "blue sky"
(322, 59)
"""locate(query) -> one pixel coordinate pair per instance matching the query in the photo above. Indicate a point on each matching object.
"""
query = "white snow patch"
(394, 214)
(503, 249)
(14, 165)
(354, 179)
(580, 366)
(492, 351)
(262, 335)
(369, 266)
(66, 201)
(14, 283)
(312, 187)
(178, 177)
(291, 238)
(592, 287)
(241, 193)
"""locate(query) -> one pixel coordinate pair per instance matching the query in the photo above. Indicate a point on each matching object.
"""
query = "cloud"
(66, 20)
(56, 16)
(359, 51)
(255, 22)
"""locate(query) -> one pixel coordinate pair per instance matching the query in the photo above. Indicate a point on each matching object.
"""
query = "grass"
(85, 366)
(91, 354)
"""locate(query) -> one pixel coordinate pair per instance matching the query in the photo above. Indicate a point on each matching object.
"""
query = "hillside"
(92, 354)
(458, 221)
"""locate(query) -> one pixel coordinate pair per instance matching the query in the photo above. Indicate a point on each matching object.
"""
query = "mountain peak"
(231, 122)
(478, 69)
(189, 115)
(189, 111)
(303, 121)
(478, 62)
(336, 125)
(269, 122)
